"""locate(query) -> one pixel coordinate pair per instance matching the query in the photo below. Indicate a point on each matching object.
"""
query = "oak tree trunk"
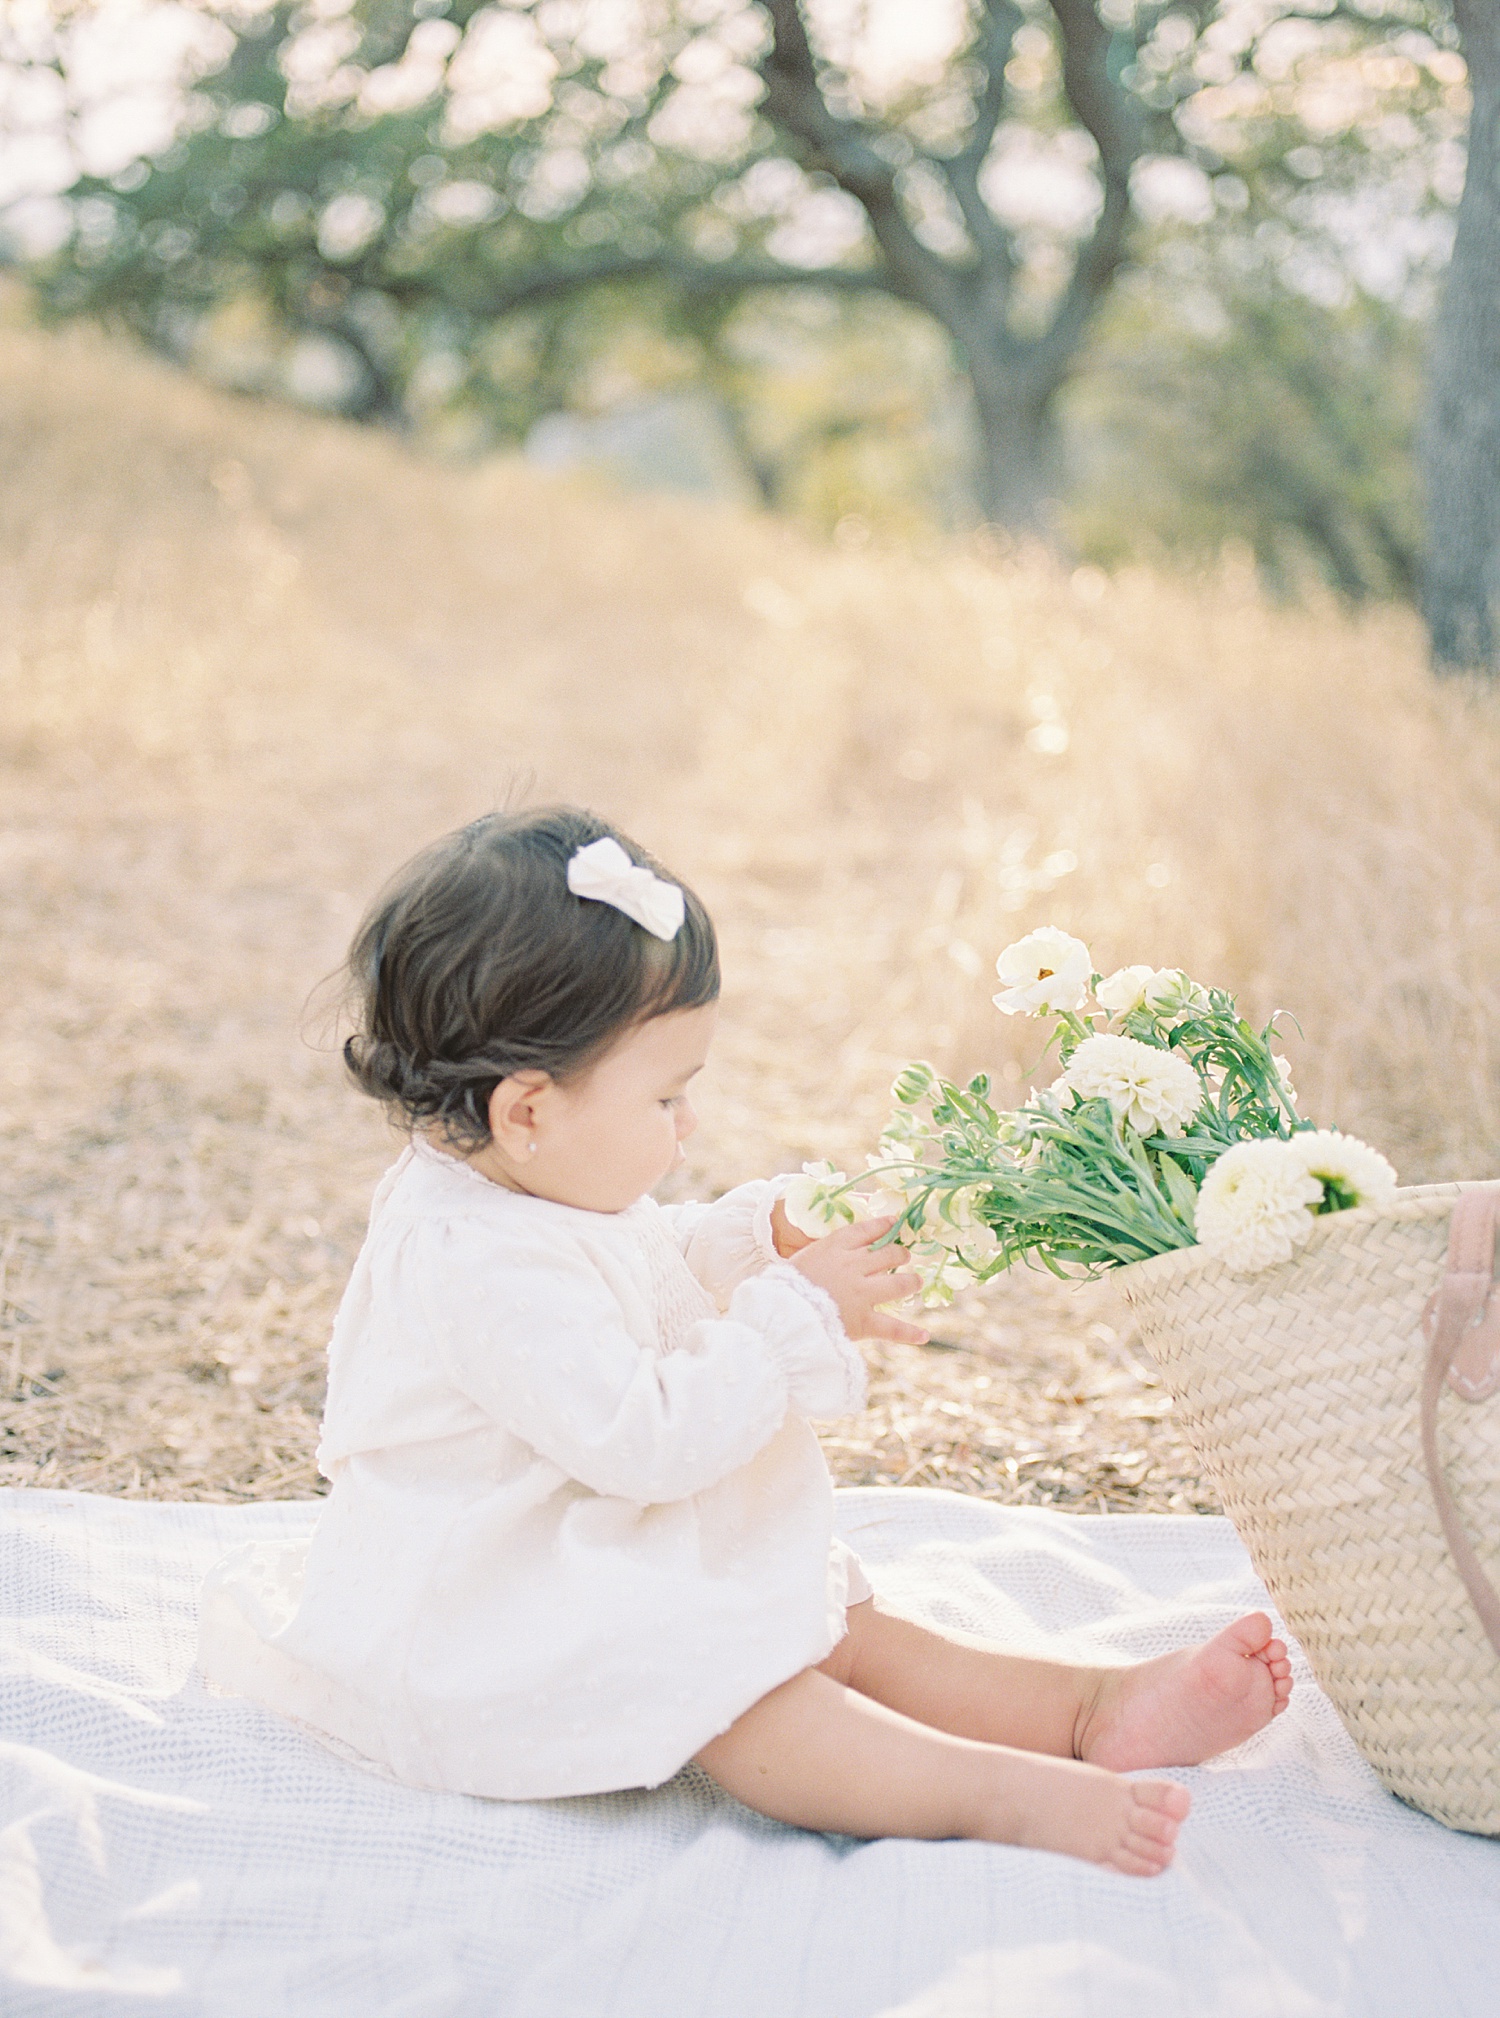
(1017, 474)
(1461, 432)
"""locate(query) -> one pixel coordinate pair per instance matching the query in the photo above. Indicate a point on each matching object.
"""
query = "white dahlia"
(1149, 1089)
(1046, 971)
(1350, 1171)
(1256, 1205)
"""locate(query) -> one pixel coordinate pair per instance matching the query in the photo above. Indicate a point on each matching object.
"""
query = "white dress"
(578, 1523)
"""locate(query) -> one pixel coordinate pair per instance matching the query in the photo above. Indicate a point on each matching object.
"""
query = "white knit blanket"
(164, 1852)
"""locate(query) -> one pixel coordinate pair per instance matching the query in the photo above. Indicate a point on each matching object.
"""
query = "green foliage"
(1261, 417)
(599, 225)
(1064, 1181)
(401, 234)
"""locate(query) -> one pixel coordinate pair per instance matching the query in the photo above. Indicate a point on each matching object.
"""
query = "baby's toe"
(1138, 1859)
(1165, 1797)
(1250, 1636)
(1148, 1825)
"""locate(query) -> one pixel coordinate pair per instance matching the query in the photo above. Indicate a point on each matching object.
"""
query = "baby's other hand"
(860, 1277)
(786, 1238)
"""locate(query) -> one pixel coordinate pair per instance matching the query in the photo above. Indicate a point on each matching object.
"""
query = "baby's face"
(609, 1137)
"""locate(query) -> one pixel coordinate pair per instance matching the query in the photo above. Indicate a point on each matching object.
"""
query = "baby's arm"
(748, 1230)
(540, 1344)
(725, 1243)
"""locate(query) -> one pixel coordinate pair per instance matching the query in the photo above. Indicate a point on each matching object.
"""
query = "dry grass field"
(249, 660)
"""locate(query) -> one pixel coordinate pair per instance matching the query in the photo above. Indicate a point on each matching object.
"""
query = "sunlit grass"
(250, 660)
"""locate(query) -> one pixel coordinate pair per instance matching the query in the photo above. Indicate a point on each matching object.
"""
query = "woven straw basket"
(1347, 1407)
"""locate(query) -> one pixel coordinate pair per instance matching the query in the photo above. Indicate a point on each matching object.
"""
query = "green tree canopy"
(415, 178)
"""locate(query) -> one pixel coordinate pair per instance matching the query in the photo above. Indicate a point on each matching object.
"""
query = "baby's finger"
(883, 1325)
(900, 1287)
(865, 1232)
(882, 1260)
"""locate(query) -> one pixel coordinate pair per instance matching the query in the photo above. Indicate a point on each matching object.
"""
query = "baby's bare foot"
(1189, 1706)
(1057, 1804)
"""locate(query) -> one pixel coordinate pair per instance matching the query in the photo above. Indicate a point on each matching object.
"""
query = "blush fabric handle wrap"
(1462, 1327)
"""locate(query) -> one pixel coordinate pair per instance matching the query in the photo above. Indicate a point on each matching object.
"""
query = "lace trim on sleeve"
(850, 1364)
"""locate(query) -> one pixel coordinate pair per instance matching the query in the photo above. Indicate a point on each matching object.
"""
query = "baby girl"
(579, 1531)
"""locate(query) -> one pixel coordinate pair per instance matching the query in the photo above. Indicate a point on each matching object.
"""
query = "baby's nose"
(687, 1122)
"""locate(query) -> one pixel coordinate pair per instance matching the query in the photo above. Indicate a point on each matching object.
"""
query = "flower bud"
(1170, 992)
(914, 1082)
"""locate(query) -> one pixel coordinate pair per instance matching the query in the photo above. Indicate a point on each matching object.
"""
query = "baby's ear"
(513, 1111)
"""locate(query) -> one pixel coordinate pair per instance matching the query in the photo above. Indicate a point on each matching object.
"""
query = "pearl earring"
(531, 1149)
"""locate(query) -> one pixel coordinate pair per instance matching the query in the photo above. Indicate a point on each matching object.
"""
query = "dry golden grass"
(249, 661)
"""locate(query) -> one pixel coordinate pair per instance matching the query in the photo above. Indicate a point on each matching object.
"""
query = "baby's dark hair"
(478, 961)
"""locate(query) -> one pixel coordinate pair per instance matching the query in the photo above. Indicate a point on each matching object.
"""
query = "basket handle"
(1462, 1326)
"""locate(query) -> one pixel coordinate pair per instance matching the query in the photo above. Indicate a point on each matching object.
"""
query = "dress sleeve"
(540, 1343)
(730, 1240)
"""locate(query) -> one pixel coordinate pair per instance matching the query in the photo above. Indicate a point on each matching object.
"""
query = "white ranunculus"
(1150, 1090)
(1170, 992)
(883, 1204)
(933, 1263)
(1351, 1172)
(1046, 971)
(809, 1204)
(1255, 1206)
(968, 1234)
(882, 1195)
(981, 1246)
(1124, 990)
(905, 1133)
(951, 1219)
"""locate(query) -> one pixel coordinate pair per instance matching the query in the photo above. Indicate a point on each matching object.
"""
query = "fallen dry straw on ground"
(251, 660)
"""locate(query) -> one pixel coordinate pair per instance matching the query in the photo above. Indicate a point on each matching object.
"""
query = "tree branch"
(702, 277)
(1109, 112)
(794, 102)
(1001, 20)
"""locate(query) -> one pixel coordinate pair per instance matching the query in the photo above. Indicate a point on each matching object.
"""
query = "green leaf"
(1179, 1187)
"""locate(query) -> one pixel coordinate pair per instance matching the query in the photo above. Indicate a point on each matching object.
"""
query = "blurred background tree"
(1462, 432)
(1142, 276)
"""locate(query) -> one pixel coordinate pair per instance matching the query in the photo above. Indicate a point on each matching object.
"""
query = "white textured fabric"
(168, 1854)
(578, 1522)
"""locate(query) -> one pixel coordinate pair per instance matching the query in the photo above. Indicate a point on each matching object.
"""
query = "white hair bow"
(606, 873)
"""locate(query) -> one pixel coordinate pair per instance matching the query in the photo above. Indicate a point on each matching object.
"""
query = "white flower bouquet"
(1346, 1407)
(1172, 1122)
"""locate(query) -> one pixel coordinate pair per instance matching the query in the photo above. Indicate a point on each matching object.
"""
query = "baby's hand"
(860, 1277)
(788, 1239)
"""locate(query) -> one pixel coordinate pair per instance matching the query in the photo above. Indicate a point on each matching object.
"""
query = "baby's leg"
(1175, 1711)
(823, 1756)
